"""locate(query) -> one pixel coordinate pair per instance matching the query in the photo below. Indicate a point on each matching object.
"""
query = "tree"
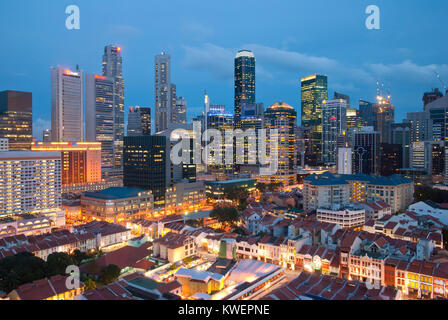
(227, 215)
(78, 257)
(22, 268)
(57, 263)
(261, 187)
(109, 274)
(188, 260)
(274, 187)
(90, 284)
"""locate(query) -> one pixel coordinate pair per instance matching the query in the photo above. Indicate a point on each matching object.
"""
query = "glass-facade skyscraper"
(244, 82)
(314, 91)
(112, 68)
(165, 93)
(100, 124)
(16, 119)
(139, 121)
(334, 123)
(282, 117)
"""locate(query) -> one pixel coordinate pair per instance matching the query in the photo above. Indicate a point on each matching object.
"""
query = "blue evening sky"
(290, 39)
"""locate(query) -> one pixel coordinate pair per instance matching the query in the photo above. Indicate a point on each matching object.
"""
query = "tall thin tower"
(112, 69)
(164, 91)
(244, 82)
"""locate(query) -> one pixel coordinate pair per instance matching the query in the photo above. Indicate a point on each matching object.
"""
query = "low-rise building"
(117, 205)
(174, 247)
(53, 288)
(347, 216)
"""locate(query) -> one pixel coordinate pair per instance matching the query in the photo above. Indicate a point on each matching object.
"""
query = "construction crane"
(441, 81)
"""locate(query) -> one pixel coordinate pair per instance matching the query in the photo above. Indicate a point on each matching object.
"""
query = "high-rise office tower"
(67, 105)
(384, 118)
(421, 126)
(334, 123)
(338, 95)
(252, 118)
(391, 159)
(438, 115)
(113, 69)
(180, 111)
(366, 151)
(366, 112)
(16, 119)
(46, 135)
(244, 82)
(185, 170)
(428, 156)
(431, 96)
(313, 91)
(139, 121)
(164, 92)
(100, 124)
(354, 119)
(401, 134)
(216, 164)
(144, 165)
(282, 117)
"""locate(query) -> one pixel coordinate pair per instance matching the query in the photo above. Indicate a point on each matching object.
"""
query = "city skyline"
(202, 56)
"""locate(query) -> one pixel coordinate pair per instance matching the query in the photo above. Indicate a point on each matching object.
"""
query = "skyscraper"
(220, 121)
(366, 112)
(112, 69)
(431, 96)
(391, 159)
(244, 82)
(421, 126)
(334, 123)
(66, 105)
(16, 119)
(366, 151)
(139, 121)
(384, 118)
(313, 92)
(100, 122)
(145, 165)
(164, 91)
(401, 134)
(180, 111)
(282, 117)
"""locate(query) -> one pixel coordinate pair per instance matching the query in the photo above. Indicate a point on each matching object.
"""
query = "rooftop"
(115, 193)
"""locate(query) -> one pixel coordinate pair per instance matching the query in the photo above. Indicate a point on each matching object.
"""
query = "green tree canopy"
(227, 215)
(57, 263)
(109, 274)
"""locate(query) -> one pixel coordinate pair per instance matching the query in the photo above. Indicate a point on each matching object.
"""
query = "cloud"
(408, 71)
(196, 31)
(210, 58)
(39, 125)
(275, 64)
(125, 30)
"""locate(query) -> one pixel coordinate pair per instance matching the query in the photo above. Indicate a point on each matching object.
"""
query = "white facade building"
(346, 217)
(345, 161)
(4, 144)
(66, 105)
